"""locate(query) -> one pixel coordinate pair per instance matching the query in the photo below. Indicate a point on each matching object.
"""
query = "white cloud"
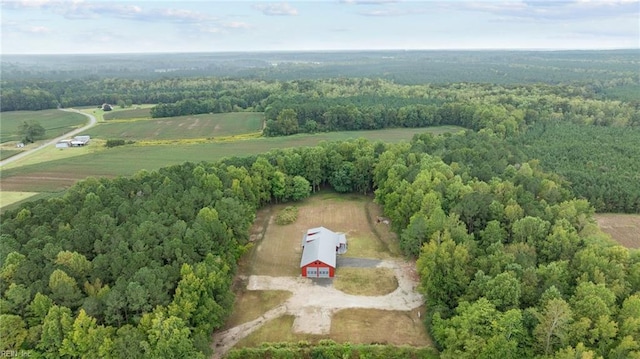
(79, 10)
(392, 12)
(553, 10)
(277, 9)
(368, 2)
(39, 30)
(237, 25)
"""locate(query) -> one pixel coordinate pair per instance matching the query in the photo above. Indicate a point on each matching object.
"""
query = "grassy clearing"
(277, 330)
(183, 127)
(365, 281)
(278, 253)
(127, 160)
(7, 198)
(55, 122)
(350, 326)
(251, 304)
(623, 228)
(380, 326)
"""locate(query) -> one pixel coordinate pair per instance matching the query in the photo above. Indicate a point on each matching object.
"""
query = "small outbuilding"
(63, 144)
(320, 246)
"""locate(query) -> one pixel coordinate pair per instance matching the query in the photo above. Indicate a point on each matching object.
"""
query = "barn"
(319, 249)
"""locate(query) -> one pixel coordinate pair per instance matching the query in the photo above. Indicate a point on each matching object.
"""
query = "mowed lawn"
(126, 160)
(623, 228)
(55, 123)
(182, 127)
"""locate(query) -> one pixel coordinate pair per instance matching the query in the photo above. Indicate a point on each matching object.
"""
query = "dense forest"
(600, 68)
(142, 265)
(545, 122)
(45, 81)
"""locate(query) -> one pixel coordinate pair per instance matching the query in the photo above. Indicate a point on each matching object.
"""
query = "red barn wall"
(318, 264)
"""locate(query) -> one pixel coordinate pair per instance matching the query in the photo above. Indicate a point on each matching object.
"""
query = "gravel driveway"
(313, 304)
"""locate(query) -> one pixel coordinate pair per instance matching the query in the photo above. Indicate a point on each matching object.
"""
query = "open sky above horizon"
(68, 27)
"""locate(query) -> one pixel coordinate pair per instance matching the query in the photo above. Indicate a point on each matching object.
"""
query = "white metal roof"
(320, 244)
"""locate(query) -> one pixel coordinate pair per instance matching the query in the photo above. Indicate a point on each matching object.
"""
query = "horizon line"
(326, 51)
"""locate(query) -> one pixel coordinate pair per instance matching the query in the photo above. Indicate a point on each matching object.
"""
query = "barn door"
(323, 272)
(312, 272)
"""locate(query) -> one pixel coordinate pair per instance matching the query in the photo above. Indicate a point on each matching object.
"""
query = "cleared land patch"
(623, 228)
(380, 326)
(365, 281)
(381, 286)
(277, 330)
(251, 304)
(182, 127)
(278, 254)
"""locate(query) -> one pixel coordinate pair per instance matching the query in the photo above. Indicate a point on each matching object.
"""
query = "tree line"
(511, 265)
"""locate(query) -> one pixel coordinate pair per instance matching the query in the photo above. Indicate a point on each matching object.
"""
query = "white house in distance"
(319, 249)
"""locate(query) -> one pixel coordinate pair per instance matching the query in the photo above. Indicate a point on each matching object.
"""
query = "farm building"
(319, 249)
(77, 141)
(63, 144)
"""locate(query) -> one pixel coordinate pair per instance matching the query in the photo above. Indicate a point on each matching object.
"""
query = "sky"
(77, 26)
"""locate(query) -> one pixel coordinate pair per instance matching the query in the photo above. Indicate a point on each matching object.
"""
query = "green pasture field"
(128, 113)
(55, 122)
(7, 198)
(59, 174)
(5, 153)
(182, 127)
(100, 115)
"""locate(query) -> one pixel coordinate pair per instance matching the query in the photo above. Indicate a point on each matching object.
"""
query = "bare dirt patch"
(623, 228)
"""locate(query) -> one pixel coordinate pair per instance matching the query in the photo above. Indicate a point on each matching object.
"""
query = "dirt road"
(92, 122)
(313, 305)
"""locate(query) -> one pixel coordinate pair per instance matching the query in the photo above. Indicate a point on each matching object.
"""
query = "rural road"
(313, 305)
(92, 122)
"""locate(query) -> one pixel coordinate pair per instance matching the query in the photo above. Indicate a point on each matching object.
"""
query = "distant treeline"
(597, 68)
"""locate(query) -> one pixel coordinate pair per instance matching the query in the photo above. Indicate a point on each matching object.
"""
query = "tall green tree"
(31, 131)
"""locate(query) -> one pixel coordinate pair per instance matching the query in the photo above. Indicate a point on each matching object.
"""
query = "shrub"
(118, 142)
(287, 216)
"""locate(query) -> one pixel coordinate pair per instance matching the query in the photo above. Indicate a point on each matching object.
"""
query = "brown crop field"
(623, 228)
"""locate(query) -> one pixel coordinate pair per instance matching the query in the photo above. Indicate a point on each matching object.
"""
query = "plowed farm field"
(623, 228)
